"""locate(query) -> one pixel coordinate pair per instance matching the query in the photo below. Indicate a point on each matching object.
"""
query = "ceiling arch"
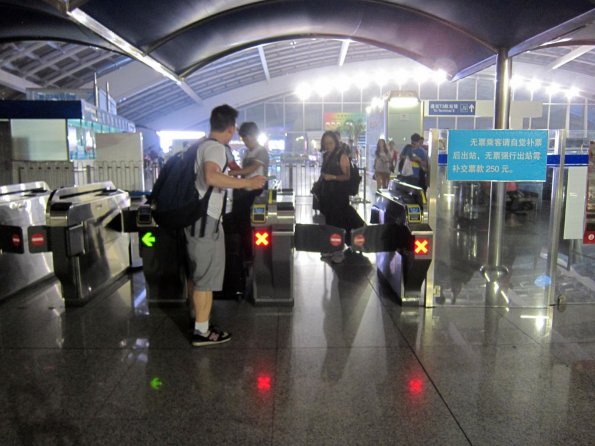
(211, 47)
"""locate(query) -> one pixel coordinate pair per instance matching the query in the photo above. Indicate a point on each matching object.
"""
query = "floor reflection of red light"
(416, 386)
(264, 383)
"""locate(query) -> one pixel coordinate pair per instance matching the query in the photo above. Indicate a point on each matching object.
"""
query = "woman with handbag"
(334, 195)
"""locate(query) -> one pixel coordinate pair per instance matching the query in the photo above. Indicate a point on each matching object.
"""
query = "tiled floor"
(346, 365)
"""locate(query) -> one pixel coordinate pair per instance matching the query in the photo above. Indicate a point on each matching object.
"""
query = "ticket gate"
(404, 270)
(22, 205)
(163, 254)
(84, 233)
(273, 218)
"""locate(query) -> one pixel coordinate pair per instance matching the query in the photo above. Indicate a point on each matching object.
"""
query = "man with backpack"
(206, 251)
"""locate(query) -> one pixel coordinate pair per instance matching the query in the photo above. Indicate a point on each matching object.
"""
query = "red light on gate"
(358, 240)
(16, 240)
(335, 239)
(37, 239)
(261, 238)
(422, 246)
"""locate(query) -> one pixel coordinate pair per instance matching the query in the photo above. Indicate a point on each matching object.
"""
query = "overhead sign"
(451, 108)
(497, 155)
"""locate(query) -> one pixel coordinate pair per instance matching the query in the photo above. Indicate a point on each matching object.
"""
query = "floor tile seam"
(158, 326)
(116, 385)
(276, 369)
(511, 322)
(432, 382)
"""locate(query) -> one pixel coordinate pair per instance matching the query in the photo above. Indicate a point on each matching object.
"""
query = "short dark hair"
(416, 137)
(222, 117)
(248, 128)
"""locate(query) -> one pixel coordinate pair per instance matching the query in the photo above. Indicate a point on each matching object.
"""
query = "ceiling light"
(571, 92)
(552, 89)
(303, 91)
(533, 85)
(439, 76)
(516, 82)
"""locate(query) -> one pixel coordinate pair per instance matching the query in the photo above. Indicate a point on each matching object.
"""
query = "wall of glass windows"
(297, 121)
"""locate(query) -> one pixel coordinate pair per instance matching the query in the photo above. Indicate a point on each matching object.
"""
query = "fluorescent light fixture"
(552, 89)
(262, 139)
(322, 87)
(303, 91)
(107, 34)
(551, 42)
(381, 78)
(361, 81)
(343, 83)
(439, 76)
(533, 85)
(571, 92)
(516, 82)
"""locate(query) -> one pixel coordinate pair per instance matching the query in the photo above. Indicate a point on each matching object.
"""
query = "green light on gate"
(149, 239)
(156, 383)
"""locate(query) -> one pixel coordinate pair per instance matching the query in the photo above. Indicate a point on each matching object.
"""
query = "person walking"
(382, 164)
(334, 196)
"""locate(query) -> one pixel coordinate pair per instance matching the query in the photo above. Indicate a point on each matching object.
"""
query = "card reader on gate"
(143, 216)
(413, 213)
(259, 213)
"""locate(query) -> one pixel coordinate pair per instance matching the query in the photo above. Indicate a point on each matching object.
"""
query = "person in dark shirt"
(334, 196)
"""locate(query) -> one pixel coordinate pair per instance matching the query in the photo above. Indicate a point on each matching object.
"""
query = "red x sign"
(261, 239)
(422, 246)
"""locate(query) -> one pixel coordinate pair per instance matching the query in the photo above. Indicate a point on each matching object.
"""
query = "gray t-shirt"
(260, 155)
(215, 152)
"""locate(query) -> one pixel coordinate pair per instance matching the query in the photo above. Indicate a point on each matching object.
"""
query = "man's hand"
(256, 182)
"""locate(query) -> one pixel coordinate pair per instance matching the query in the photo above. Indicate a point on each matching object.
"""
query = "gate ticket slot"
(414, 213)
(259, 213)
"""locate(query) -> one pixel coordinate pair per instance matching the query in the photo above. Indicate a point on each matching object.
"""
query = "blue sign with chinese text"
(497, 155)
(451, 108)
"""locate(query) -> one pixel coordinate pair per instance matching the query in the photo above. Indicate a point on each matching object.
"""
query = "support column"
(494, 269)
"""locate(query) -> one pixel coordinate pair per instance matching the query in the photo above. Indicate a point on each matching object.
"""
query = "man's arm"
(214, 177)
(247, 170)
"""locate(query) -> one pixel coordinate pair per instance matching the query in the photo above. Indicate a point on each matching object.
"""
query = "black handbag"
(317, 188)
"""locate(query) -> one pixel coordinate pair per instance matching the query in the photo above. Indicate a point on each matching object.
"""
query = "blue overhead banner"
(497, 155)
(451, 108)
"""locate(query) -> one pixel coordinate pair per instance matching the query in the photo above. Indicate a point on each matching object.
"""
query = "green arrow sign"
(149, 239)
(156, 383)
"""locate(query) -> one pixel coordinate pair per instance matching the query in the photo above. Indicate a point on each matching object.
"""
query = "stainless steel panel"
(21, 206)
(104, 256)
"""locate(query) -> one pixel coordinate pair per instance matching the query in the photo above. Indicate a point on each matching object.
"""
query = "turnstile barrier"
(273, 218)
(21, 265)
(84, 233)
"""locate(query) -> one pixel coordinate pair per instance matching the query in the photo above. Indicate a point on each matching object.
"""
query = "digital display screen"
(258, 210)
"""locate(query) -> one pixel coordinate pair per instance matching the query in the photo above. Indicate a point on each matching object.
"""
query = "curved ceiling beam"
(19, 22)
(427, 39)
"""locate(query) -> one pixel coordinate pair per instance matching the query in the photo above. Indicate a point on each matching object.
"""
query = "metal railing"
(54, 173)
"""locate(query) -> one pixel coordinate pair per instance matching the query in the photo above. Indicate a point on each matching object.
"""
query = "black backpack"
(355, 178)
(176, 202)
